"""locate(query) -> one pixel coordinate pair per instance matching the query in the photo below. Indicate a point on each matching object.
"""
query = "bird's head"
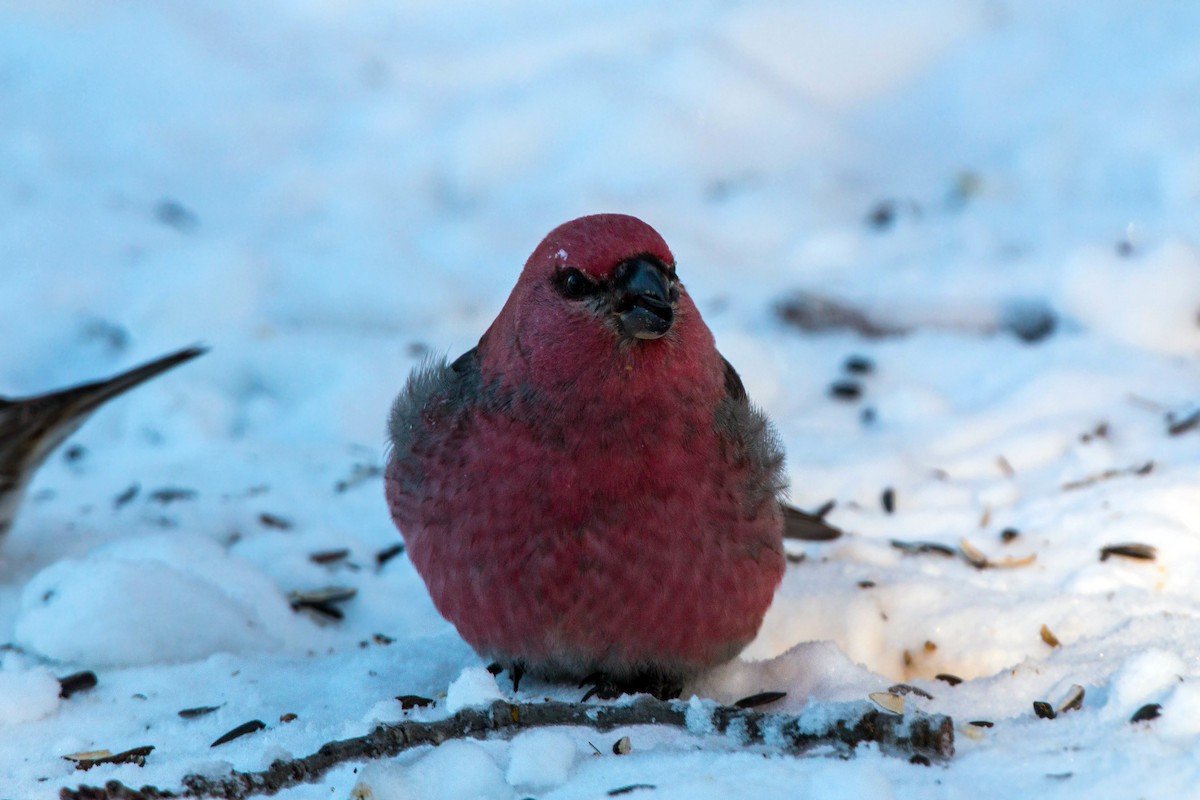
(612, 268)
(598, 295)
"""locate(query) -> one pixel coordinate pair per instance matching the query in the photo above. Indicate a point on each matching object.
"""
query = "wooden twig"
(915, 735)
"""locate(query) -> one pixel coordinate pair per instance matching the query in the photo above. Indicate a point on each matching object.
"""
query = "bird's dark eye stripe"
(574, 285)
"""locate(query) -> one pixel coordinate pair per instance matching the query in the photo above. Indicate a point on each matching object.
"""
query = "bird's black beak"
(645, 298)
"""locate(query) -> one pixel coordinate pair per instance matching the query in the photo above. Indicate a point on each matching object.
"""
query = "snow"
(326, 193)
(474, 687)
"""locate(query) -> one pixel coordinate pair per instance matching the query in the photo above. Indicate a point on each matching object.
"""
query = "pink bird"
(588, 493)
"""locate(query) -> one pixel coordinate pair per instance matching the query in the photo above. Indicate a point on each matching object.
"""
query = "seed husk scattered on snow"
(359, 473)
(893, 703)
(1009, 535)
(981, 723)
(1005, 466)
(794, 558)
(888, 499)
(921, 548)
(76, 682)
(288, 717)
(1074, 700)
(1108, 474)
(408, 701)
(87, 760)
(1146, 713)
(198, 711)
(866, 584)
(907, 688)
(269, 520)
(976, 558)
(1044, 710)
(1181, 425)
(171, 494)
(633, 787)
(1048, 637)
(946, 677)
(329, 556)
(760, 699)
(622, 746)
(126, 497)
(859, 365)
(241, 730)
(1142, 552)
(388, 553)
(323, 601)
(845, 390)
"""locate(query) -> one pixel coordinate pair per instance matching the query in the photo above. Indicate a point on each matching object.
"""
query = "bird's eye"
(574, 286)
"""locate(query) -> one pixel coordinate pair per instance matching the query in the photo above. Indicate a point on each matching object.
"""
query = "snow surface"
(324, 192)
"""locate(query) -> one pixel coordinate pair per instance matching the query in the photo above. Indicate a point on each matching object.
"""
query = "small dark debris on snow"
(269, 520)
(1146, 713)
(388, 553)
(1029, 321)
(919, 760)
(1177, 427)
(76, 682)
(1044, 710)
(1100, 431)
(858, 365)
(323, 601)
(171, 494)
(329, 556)
(175, 214)
(1141, 552)
(1060, 776)
(622, 746)
(1008, 535)
(907, 688)
(930, 646)
(1138, 470)
(633, 787)
(760, 699)
(380, 638)
(882, 215)
(127, 496)
(288, 717)
(198, 711)
(982, 723)
(867, 416)
(814, 313)
(74, 453)
(921, 548)
(241, 730)
(888, 499)
(136, 756)
(845, 390)
(359, 473)
(795, 558)
(866, 584)
(408, 701)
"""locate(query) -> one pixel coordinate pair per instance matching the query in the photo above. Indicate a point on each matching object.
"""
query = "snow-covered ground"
(325, 191)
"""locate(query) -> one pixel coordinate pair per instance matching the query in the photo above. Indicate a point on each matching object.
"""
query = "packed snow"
(950, 245)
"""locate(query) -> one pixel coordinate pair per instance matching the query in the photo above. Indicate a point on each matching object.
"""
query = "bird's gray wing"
(436, 389)
(746, 423)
